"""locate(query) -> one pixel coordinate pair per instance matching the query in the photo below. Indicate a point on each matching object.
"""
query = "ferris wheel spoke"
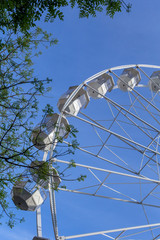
(104, 196)
(132, 102)
(147, 163)
(90, 186)
(101, 183)
(138, 233)
(149, 112)
(144, 107)
(121, 126)
(104, 185)
(115, 134)
(118, 236)
(104, 143)
(134, 107)
(108, 128)
(114, 183)
(140, 177)
(131, 114)
(144, 154)
(135, 110)
(140, 95)
(145, 213)
(109, 145)
(154, 226)
(153, 140)
(156, 237)
(154, 95)
(149, 193)
(104, 146)
(143, 128)
(106, 235)
(155, 196)
(105, 159)
(150, 79)
(119, 157)
(143, 111)
(151, 168)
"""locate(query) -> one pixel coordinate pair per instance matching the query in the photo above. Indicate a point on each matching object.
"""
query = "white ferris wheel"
(117, 114)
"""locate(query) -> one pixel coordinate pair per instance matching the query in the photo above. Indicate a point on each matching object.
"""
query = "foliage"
(19, 93)
(22, 14)
(19, 90)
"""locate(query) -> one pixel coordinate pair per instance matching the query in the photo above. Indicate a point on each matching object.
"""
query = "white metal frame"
(146, 151)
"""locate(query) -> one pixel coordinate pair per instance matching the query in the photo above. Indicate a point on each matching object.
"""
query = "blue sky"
(85, 47)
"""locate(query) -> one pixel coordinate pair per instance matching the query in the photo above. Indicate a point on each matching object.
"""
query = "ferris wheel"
(117, 114)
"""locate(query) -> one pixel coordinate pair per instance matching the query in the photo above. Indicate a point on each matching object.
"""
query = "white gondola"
(101, 84)
(45, 182)
(44, 133)
(154, 82)
(129, 78)
(26, 196)
(81, 99)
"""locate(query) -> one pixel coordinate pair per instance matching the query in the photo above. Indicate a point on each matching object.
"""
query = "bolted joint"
(61, 238)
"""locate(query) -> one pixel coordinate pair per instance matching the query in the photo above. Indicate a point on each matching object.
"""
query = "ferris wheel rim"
(84, 84)
(108, 70)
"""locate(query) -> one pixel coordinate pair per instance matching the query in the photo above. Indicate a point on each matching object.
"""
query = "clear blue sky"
(85, 47)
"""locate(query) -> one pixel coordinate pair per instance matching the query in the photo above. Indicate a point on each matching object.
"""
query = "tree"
(22, 14)
(18, 106)
(19, 93)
